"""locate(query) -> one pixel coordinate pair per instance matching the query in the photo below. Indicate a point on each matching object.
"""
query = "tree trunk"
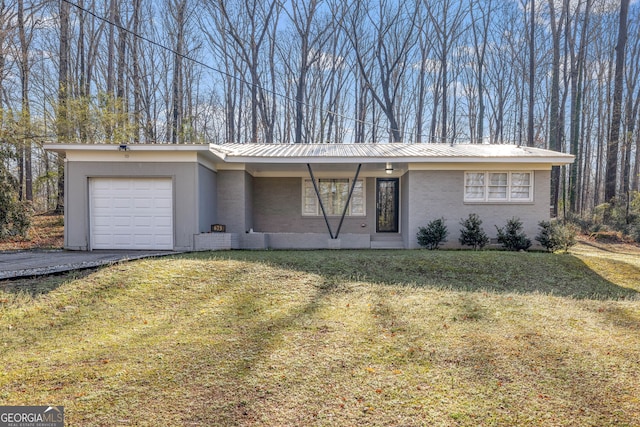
(443, 84)
(577, 72)
(135, 72)
(480, 48)
(113, 11)
(121, 119)
(554, 108)
(25, 121)
(63, 95)
(532, 74)
(177, 84)
(616, 117)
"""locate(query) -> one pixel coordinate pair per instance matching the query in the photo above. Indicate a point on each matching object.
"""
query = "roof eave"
(61, 146)
(555, 161)
(218, 153)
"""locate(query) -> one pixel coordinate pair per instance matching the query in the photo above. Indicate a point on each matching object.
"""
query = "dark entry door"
(387, 192)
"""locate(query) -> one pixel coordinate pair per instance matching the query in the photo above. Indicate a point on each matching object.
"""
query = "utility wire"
(224, 73)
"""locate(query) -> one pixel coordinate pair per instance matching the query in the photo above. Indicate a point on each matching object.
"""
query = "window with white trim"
(334, 194)
(498, 186)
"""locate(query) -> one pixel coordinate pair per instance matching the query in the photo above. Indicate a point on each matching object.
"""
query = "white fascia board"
(133, 153)
(328, 174)
(479, 166)
(219, 154)
(482, 164)
(128, 156)
(231, 166)
(62, 147)
(207, 162)
(550, 161)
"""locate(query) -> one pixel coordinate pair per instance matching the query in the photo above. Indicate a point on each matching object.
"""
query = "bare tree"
(381, 53)
(616, 117)
(425, 69)
(247, 24)
(178, 8)
(532, 71)
(503, 77)
(480, 30)
(447, 21)
(136, 77)
(26, 22)
(634, 120)
(577, 64)
(632, 107)
(603, 69)
(555, 126)
(312, 39)
(63, 95)
(336, 79)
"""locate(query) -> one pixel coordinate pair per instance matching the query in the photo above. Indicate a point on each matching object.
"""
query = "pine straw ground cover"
(344, 338)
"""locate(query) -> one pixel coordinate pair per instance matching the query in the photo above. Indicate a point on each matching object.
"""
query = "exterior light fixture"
(123, 147)
(388, 168)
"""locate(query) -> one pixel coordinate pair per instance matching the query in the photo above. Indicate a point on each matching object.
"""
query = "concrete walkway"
(14, 265)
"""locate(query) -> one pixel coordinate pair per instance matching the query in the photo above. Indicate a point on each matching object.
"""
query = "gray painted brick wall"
(277, 208)
(436, 194)
(207, 198)
(232, 199)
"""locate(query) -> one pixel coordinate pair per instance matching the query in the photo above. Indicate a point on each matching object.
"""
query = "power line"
(224, 73)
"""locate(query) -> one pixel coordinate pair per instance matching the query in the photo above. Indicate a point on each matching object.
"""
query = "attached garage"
(131, 213)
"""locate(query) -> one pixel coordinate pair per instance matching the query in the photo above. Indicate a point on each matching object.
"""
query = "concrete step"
(387, 244)
(387, 237)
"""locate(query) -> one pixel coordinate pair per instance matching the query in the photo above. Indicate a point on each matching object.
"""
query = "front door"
(387, 191)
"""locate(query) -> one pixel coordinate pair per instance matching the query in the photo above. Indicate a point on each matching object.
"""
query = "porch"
(303, 241)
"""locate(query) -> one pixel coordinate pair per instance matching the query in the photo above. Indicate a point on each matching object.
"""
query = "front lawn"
(342, 338)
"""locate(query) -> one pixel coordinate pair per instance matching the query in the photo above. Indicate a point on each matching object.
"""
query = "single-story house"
(295, 196)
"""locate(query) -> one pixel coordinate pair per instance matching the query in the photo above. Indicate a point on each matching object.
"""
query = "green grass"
(450, 338)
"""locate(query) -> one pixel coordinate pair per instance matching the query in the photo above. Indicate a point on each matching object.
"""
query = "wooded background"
(557, 74)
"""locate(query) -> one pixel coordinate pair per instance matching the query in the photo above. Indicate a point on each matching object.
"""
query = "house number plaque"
(218, 228)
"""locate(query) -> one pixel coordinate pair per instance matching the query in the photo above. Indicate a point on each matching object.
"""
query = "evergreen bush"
(472, 233)
(511, 237)
(433, 234)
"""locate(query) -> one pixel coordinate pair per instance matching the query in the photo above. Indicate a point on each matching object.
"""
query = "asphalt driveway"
(14, 265)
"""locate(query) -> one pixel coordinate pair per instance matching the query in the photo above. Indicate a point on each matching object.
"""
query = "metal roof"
(366, 153)
(267, 154)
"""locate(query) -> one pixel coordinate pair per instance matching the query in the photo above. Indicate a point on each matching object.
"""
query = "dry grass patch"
(331, 338)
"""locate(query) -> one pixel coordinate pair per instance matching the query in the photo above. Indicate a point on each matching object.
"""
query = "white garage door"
(133, 213)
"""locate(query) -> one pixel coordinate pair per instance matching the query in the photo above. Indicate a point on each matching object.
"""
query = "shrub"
(21, 218)
(546, 237)
(635, 233)
(472, 233)
(617, 214)
(586, 223)
(555, 235)
(512, 237)
(15, 215)
(565, 236)
(433, 234)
